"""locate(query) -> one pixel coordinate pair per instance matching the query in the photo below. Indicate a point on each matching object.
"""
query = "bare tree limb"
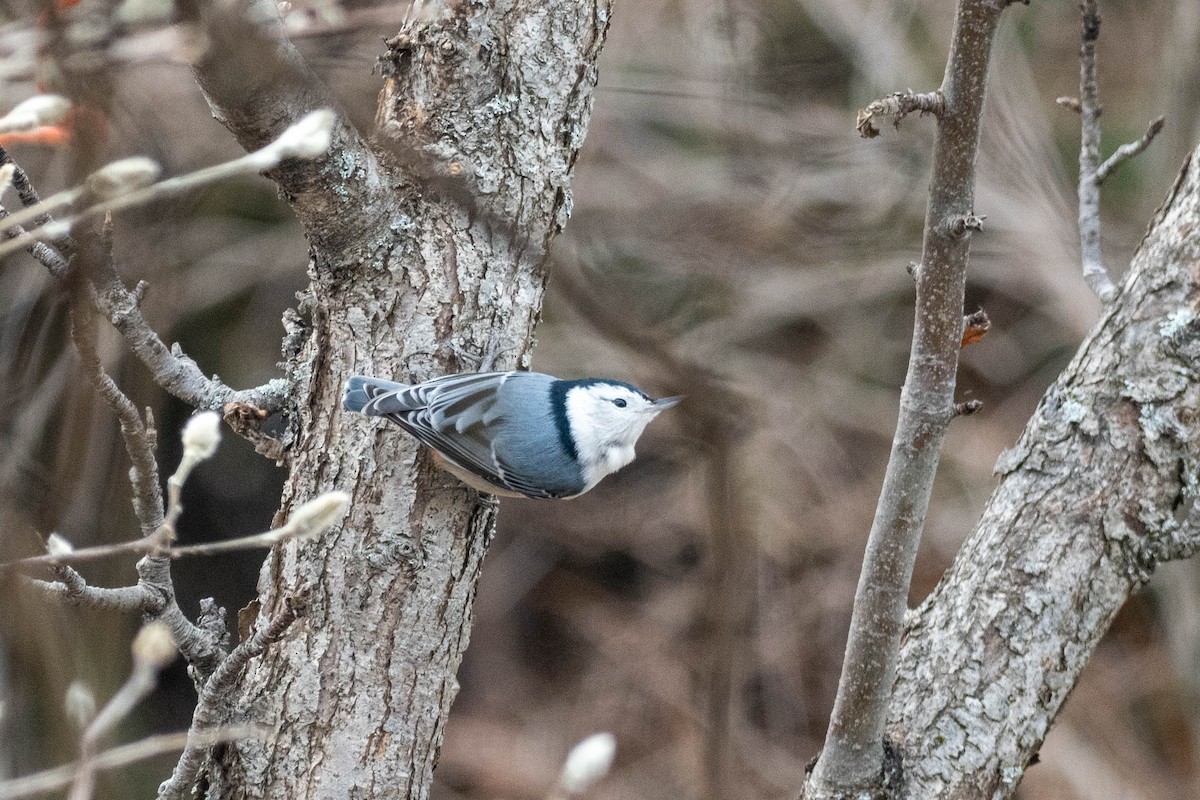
(137, 435)
(43, 253)
(20, 181)
(1128, 150)
(59, 778)
(210, 704)
(1089, 159)
(1092, 172)
(306, 524)
(1070, 103)
(72, 588)
(852, 761)
(257, 84)
(898, 106)
(172, 370)
(152, 650)
(1099, 490)
(130, 182)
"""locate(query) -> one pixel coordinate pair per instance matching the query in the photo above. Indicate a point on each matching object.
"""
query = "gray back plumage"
(501, 426)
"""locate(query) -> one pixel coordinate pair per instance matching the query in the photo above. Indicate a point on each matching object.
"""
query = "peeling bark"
(1099, 490)
(428, 247)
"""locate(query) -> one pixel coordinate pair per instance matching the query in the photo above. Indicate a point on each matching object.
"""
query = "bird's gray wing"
(455, 415)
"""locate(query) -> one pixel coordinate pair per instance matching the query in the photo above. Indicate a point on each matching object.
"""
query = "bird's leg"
(479, 362)
(489, 502)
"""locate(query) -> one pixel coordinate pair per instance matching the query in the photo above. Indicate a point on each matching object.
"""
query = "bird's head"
(605, 420)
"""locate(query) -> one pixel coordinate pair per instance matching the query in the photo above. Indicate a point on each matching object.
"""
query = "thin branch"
(20, 181)
(1129, 150)
(218, 686)
(302, 525)
(43, 253)
(1070, 103)
(201, 649)
(1089, 159)
(172, 370)
(1092, 172)
(153, 649)
(135, 433)
(72, 588)
(898, 106)
(47, 256)
(59, 778)
(853, 760)
(308, 138)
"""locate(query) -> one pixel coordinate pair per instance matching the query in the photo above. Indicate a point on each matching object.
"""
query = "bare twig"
(967, 408)
(137, 435)
(201, 648)
(72, 588)
(43, 253)
(22, 184)
(1070, 103)
(215, 689)
(61, 777)
(1092, 172)
(898, 106)
(853, 760)
(172, 370)
(153, 649)
(1129, 150)
(1089, 159)
(116, 178)
(308, 138)
(309, 520)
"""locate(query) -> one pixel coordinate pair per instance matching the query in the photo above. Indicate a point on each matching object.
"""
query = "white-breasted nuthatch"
(516, 433)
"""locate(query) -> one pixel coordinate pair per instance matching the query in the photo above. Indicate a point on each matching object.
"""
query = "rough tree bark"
(427, 247)
(1099, 490)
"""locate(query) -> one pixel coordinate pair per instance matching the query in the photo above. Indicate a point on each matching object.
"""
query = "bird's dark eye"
(619, 402)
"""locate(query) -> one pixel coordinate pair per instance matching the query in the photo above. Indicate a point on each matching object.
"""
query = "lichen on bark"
(1100, 489)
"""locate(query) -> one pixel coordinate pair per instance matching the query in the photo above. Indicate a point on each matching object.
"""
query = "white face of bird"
(606, 420)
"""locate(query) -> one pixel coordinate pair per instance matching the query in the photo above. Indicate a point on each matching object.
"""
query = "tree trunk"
(426, 250)
(1098, 491)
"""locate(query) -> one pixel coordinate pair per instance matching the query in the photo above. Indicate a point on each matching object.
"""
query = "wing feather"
(454, 415)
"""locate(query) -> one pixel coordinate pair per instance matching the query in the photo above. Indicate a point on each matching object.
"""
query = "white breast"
(605, 462)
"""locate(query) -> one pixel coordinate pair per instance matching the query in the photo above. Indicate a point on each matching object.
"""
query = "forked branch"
(1091, 171)
(853, 761)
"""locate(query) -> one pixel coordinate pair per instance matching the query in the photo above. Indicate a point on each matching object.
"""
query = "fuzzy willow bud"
(201, 436)
(588, 762)
(154, 646)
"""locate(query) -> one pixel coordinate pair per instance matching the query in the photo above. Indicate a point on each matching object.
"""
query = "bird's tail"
(361, 390)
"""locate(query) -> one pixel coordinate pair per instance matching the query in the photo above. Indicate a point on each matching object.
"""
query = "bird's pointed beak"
(664, 403)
